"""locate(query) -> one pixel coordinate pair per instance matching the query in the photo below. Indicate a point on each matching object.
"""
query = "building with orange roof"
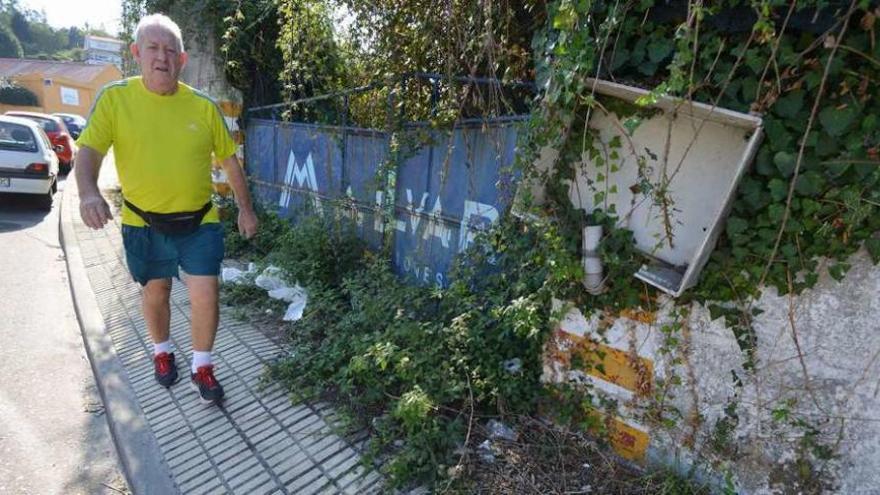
(68, 87)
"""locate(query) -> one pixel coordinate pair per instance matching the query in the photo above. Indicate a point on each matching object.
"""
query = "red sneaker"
(165, 370)
(206, 385)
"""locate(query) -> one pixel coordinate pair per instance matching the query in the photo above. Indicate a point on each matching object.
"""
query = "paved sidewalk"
(257, 443)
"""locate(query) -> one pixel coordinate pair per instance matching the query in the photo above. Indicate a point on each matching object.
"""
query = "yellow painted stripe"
(629, 442)
(634, 373)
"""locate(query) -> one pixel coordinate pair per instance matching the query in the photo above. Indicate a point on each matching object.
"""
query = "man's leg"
(200, 256)
(203, 296)
(157, 311)
(151, 259)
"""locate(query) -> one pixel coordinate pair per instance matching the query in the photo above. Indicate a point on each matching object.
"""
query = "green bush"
(13, 94)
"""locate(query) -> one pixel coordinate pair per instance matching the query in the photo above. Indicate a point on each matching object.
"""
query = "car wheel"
(45, 201)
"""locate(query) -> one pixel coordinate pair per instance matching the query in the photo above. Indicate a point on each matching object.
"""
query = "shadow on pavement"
(22, 211)
(95, 454)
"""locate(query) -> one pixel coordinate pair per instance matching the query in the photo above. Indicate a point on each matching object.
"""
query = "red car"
(58, 135)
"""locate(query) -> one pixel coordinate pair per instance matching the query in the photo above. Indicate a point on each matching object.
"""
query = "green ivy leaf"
(754, 193)
(784, 162)
(778, 136)
(659, 49)
(736, 226)
(789, 105)
(810, 207)
(870, 123)
(778, 189)
(827, 145)
(621, 57)
(749, 88)
(638, 53)
(776, 212)
(648, 69)
(835, 121)
(809, 184)
(789, 251)
(764, 162)
(631, 124)
(855, 141)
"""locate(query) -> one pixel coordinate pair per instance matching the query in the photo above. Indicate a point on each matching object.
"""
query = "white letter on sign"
(304, 175)
(435, 227)
(480, 210)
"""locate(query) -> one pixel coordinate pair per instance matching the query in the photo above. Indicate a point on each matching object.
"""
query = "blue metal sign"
(447, 192)
(444, 192)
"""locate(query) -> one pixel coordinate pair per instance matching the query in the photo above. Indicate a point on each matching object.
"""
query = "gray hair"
(160, 21)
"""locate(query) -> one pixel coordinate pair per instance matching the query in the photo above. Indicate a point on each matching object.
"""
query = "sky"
(67, 13)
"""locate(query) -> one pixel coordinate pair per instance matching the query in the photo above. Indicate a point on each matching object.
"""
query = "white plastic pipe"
(592, 235)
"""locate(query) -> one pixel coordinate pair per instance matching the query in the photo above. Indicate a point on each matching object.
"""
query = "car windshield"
(16, 137)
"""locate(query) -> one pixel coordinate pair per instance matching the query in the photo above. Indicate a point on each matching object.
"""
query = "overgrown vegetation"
(429, 363)
(423, 369)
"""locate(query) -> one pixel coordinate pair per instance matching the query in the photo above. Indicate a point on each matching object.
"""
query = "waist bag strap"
(181, 223)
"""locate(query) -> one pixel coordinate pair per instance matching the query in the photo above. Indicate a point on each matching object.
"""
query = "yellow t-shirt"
(162, 144)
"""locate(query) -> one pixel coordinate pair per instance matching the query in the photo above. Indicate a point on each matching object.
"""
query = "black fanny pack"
(181, 223)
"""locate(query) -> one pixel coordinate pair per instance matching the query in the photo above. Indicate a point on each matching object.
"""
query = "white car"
(28, 163)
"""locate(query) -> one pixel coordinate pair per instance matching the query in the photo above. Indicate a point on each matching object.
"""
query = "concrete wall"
(204, 70)
(815, 386)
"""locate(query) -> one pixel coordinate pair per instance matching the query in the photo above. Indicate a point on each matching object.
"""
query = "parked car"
(58, 135)
(75, 123)
(28, 161)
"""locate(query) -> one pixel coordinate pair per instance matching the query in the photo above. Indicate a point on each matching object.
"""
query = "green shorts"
(153, 255)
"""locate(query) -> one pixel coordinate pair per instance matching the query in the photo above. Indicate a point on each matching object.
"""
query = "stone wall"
(804, 418)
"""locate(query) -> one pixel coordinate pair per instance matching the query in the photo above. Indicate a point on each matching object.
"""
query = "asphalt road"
(54, 437)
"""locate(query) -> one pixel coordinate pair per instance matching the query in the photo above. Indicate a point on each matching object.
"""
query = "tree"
(10, 47)
(75, 38)
(20, 26)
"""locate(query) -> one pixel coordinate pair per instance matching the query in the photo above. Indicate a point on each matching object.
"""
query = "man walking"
(164, 133)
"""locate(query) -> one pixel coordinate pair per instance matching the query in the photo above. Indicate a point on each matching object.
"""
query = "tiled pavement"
(259, 442)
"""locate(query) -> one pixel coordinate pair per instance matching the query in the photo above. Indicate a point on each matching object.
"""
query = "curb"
(142, 462)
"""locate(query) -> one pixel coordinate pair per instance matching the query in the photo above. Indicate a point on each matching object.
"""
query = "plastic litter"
(296, 307)
(500, 431)
(289, 294)
(270, 279)
(230, 275)
(486, 452)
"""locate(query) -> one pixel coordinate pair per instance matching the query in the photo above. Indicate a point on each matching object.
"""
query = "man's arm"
(247, 219)
(92, 208)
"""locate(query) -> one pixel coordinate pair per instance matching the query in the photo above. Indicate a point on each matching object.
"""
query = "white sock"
(159, 348)
(200, 358)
